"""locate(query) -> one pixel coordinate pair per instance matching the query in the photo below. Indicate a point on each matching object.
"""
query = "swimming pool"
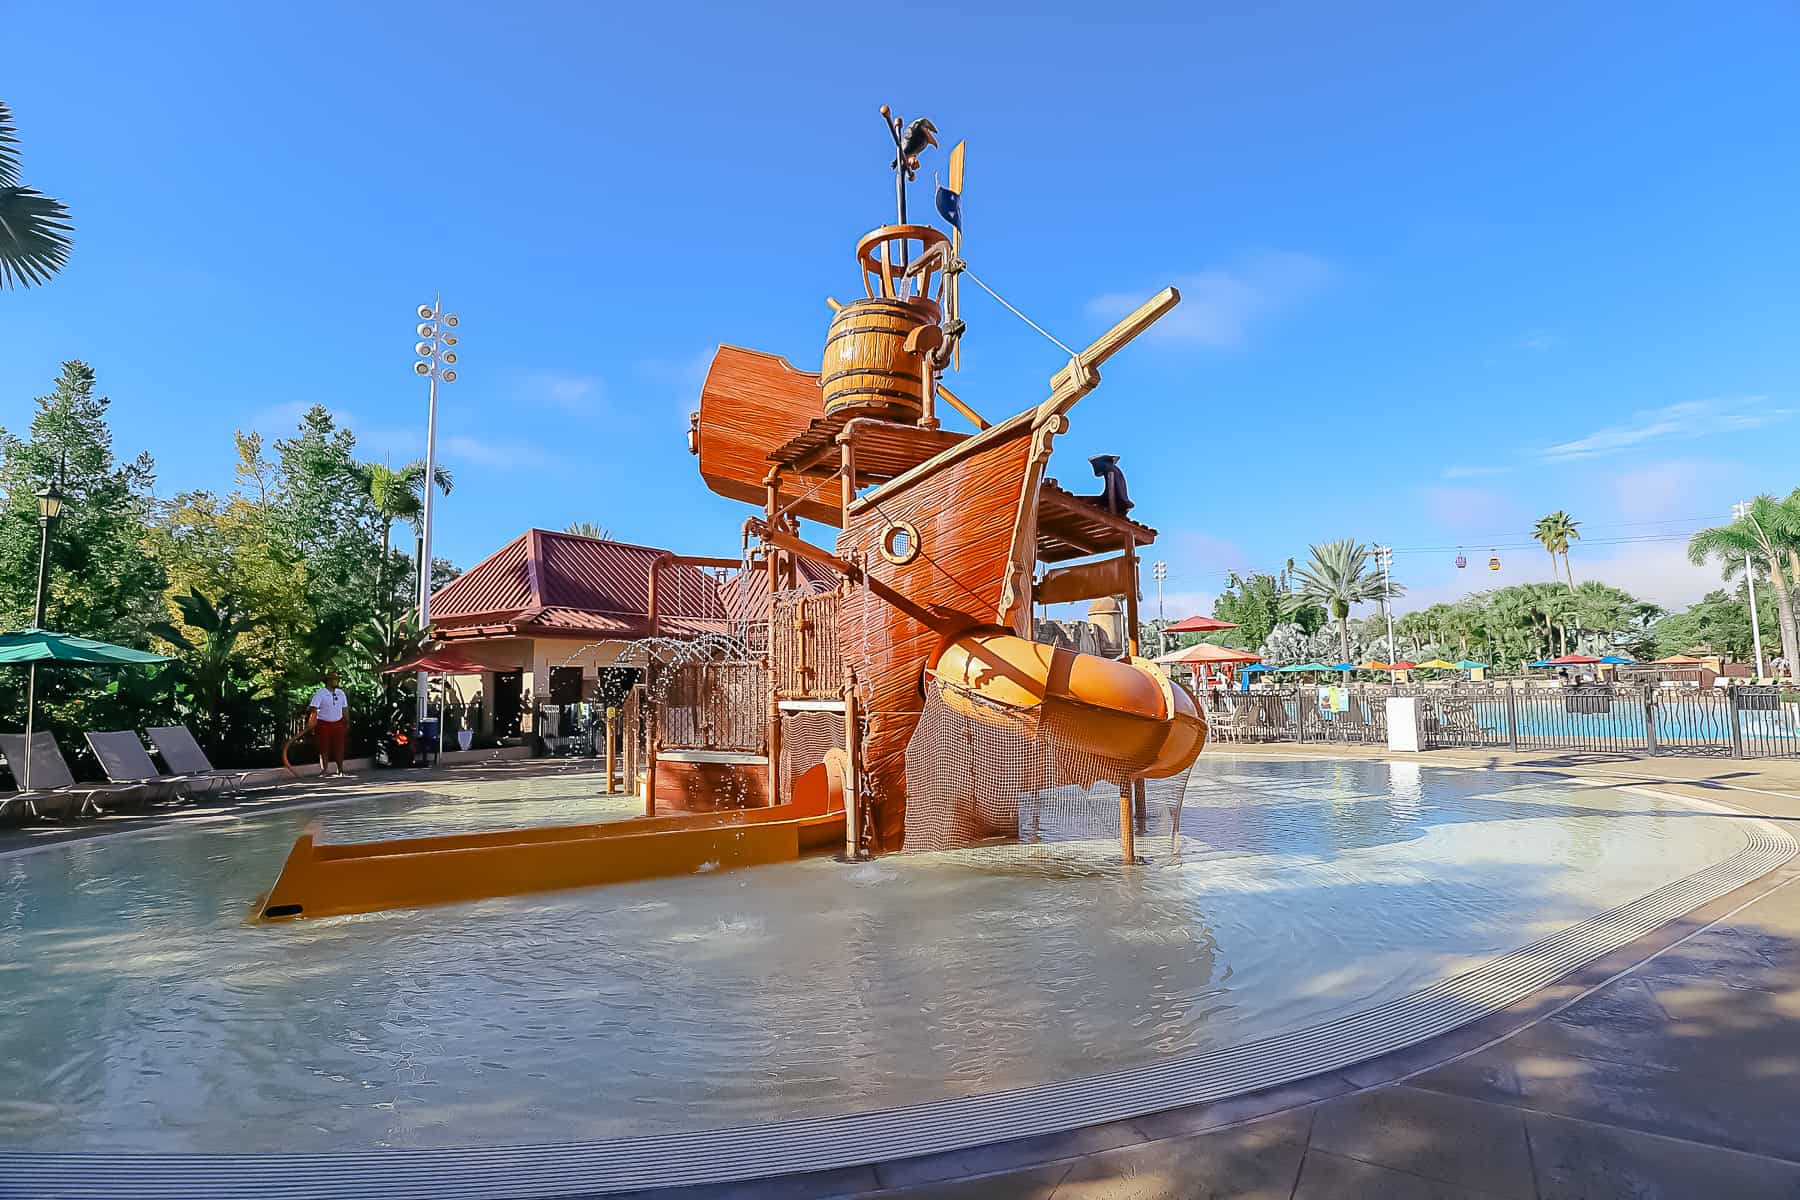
(138, 1012)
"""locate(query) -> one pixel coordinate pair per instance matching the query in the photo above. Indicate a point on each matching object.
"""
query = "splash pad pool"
(737, 1024)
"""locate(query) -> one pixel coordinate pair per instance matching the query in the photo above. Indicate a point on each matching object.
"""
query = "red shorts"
(331, 739)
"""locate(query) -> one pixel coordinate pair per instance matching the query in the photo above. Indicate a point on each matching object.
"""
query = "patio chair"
(123, 757)
(54, 791)
(183, 755)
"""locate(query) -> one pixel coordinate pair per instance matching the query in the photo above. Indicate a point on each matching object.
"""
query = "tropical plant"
(1766, 537)
(398, 495)
(215, 692)
(1554, 533)
(34, 229)
(588, 529)
(1719, 622)
(1338, 575)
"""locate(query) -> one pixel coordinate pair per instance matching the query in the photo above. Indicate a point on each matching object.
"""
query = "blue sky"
(1446, 267)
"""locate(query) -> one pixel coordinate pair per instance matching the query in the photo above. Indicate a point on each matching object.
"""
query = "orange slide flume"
(1129, 714)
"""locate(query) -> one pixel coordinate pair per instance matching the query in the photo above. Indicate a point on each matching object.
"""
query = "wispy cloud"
(504, 454)
(1219, 306)
(1539, 339)
(1692, 419)
(1463, 509)
(1474, 471)
(571, 391)
(681, 376)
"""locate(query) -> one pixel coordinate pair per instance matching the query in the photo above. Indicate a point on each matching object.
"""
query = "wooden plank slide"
(325, 880)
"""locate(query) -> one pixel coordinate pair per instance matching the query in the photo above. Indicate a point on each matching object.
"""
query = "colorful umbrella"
(1438, 664)
(1572, 660)
(1374, 664)
(1402, 665)
(1469, 664)
(30, 647)
(1343, 666)
(1208, 654)
(1199, 625)
(1617, 660)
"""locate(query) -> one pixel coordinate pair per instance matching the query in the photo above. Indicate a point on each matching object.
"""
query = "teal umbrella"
(30, 647)
(1469, 664)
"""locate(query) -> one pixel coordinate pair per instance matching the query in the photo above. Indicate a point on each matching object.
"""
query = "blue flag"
(949, 206)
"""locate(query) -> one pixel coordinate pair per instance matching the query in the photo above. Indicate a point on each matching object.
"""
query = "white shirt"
(330, 703)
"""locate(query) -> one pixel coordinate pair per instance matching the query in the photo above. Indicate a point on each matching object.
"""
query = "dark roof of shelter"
(546, 582)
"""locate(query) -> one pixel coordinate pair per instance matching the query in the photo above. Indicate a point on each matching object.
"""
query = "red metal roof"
(562, 582)
(746, 593)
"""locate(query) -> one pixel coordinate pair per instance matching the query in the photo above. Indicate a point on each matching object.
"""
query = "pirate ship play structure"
(906, 706)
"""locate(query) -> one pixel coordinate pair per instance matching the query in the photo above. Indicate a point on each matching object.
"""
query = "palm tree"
(588, 529)
(34, 229)
(1554, 533)
(1766, 533)
(1339, 574)
(398, 496)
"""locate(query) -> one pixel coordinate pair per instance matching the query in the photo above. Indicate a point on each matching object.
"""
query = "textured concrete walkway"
(1671, 1068)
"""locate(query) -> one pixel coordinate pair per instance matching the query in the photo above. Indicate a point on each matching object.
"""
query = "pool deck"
(1670, 1067)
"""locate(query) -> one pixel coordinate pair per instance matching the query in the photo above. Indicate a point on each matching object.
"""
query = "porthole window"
(900, 544)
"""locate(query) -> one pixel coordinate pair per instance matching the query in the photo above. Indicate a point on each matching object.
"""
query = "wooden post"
(852, 781)
(631, 740)
(608, 726)
(1139, 801)
(1127, 835)
(772, 737)
(1131, 596)
(651, 733)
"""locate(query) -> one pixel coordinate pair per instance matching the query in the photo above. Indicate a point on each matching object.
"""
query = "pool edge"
(820, 1144)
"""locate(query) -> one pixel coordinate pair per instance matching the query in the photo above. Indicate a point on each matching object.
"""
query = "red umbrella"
(1205, 653)
(1402, 665)
(1198, 658)
(439, 662)
(1200, 625)
(1573, 660)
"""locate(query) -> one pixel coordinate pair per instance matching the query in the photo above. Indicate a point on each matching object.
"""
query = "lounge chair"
(123, 757)
(183, 755)
(54, 791)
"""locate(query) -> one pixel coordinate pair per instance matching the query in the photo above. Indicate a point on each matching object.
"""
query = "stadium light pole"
(1739, 511)
(437, 363)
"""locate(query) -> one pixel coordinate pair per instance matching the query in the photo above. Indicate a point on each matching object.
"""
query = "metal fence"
(1356, 714)
(1637, 719)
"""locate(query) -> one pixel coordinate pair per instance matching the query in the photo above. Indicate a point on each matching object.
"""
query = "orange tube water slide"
(1126, 713)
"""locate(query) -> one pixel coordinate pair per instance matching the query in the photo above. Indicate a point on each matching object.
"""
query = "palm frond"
(34, 236)
(9, 148)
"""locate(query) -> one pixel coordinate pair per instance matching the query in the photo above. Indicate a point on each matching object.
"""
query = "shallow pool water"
(138, 1010)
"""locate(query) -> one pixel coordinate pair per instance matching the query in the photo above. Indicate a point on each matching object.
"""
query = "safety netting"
(806, 735)
(978, 772)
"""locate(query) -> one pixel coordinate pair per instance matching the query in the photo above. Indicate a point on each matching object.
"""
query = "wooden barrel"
(867, 366)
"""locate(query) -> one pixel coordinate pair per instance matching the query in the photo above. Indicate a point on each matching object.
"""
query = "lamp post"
(1739, 511)
(50, 506)
(1160, 570)
(437, 361)
(1384, 558)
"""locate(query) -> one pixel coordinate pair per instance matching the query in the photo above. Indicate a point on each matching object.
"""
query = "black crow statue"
(1113, 497)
